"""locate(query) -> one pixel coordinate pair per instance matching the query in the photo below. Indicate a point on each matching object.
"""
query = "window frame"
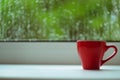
(45, 53)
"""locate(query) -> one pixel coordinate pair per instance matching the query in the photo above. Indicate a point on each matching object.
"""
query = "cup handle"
(114, 53)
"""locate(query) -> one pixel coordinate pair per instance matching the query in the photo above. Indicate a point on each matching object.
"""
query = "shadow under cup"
(91, 53)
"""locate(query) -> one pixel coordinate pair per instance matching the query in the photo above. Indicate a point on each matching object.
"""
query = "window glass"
(53, 20)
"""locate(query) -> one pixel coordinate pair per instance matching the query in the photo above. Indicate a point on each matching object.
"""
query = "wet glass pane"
(58, 20)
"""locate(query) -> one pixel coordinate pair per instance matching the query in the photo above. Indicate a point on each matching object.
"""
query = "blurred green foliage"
(60, 20)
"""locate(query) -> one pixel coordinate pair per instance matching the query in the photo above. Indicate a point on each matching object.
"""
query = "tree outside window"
(54, 20)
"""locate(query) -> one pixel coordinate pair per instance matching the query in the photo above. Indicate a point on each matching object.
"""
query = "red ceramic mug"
(91, 53)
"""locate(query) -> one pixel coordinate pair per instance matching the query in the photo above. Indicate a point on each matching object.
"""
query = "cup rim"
(91, 41)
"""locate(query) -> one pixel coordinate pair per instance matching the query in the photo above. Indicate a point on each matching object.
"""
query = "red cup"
(91, 53)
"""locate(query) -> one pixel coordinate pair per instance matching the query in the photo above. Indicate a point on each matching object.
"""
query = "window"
(54, 20)
(65, 20)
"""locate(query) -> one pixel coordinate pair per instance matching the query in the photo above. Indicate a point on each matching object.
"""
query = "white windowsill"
(57, 72)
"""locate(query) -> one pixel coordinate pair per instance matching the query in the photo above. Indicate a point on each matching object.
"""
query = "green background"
(54, 20)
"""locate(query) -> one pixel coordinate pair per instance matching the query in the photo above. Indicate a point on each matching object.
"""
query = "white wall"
(45, 53)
